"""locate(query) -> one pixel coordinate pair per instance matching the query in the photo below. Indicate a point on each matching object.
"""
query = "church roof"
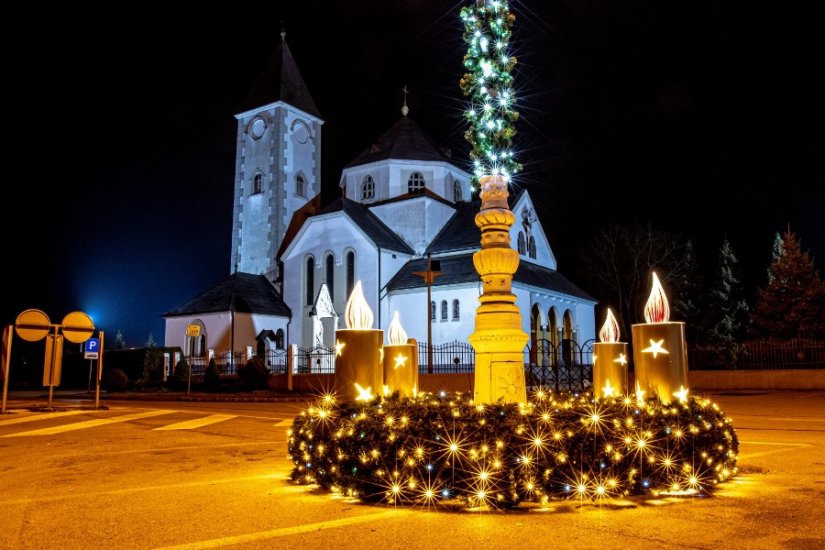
(281, 81)
(461, 232)
(370, 224)
(241, 293)
(405, 140)
(460, 269)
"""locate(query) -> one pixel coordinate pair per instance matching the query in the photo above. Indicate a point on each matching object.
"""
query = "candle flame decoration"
(397, 335)
(657, 310)
(358, 313)
(610, 329)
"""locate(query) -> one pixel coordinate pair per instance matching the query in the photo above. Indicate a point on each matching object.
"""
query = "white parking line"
(197, 423)
(286, 531)
(89, 424)
(44, 416)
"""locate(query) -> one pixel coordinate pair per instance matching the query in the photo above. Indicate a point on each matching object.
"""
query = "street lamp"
(429, 276)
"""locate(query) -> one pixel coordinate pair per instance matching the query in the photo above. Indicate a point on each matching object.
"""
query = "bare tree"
(619, 263)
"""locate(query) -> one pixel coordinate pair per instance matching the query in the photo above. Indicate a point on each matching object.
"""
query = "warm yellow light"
(538, 442)
(657, 309)
(608, 390)
(396, 333)
(339, 347)
(656, 348)
(622, 359)
(640, 394)
(358, 314)
(682, 394)
(610, 329)
(386, 390)
(364, 394)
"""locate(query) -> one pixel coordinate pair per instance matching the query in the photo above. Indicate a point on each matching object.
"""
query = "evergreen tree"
(793, 303)
(150, 341)
(776, 253)
(120, 341)
(728, 310)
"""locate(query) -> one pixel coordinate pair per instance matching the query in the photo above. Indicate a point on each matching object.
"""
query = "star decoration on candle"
(338, 347)
(387, 390)
(682, 394)
(640, 394)
(364, 394)
(656, 348)
(622, 359)
(608, 390)
(400, 361)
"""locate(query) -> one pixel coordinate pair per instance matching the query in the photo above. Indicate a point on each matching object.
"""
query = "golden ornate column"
(498, 338)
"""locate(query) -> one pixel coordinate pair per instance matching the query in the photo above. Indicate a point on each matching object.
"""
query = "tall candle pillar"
(659, 350)
(400, 361)
(359, 373)
(609, 361)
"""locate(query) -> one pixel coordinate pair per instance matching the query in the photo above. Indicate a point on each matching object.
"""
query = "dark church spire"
(281, 81)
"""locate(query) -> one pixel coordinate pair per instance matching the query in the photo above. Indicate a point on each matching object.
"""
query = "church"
(405, 207)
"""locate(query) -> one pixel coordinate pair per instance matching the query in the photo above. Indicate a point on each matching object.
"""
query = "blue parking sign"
(91, 348)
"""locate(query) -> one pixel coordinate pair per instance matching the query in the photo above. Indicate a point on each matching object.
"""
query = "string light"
(558, 446)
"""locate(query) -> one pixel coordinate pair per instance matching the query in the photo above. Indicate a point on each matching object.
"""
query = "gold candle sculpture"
(659, 351)
(609, 361)
(400, 362)
(359, 374)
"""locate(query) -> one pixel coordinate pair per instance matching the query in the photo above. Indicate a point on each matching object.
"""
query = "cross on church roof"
(405, 110)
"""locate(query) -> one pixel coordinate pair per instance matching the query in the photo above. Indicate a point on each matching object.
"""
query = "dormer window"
(367, 188)
(416, 183)
(457, 195)
(257, 183)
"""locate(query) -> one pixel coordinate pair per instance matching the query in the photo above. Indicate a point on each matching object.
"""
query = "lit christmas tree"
(488, 84)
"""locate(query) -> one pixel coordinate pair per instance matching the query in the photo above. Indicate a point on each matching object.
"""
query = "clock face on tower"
(257, 128)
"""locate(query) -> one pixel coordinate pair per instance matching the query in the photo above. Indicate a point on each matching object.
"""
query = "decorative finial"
(405, 110)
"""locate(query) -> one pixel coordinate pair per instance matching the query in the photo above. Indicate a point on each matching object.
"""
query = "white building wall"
(417, 220)
(392, 176)
(413, 311)
(218, 330)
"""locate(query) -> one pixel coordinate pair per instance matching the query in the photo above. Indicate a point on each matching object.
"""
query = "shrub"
(115, 380)
(212, 375)
(180, 376)
(255, 373)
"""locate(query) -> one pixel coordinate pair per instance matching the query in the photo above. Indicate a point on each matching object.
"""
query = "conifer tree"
(793, 302)
(727, 308)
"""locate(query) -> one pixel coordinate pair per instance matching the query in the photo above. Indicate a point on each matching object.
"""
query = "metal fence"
(317, 360)
(567, 366)
(452, 357)
(798, 353)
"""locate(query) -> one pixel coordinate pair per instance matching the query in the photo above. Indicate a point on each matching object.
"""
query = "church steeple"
(277, 163)
(281, 81)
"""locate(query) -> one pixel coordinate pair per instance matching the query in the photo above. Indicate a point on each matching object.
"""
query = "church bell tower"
(277, 163)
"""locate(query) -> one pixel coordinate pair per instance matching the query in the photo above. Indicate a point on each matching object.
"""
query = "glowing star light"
(364, 394)
(610, 329)
(656, 348)
(339, 346)
(400, 361)
(621, 359)
(640, 395)
(358, 314)
(608, 390)
(682, 394)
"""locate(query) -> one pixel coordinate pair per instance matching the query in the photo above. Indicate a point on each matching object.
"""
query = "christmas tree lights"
(488, 83)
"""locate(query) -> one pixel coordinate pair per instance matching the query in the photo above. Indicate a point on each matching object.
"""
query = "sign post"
(99, 371)
(90, 352)
(5, 361)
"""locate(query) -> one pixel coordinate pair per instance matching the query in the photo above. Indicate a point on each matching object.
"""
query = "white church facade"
(403, 203)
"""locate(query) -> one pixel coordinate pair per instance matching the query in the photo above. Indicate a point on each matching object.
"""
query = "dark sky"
(703, 117)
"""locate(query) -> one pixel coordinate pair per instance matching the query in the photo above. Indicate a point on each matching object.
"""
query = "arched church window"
(455, 310)
(432, 311)
(443, 310)
(350, 272)
(330, 275)
(368, 188)
(300, 186)
(521, 245)
(531, 247)
(279, 339)
(257, 183)
(416, 183)
(310, 280)
(457, 194)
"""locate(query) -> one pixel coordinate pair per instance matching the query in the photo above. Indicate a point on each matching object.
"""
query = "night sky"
(122, 133)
